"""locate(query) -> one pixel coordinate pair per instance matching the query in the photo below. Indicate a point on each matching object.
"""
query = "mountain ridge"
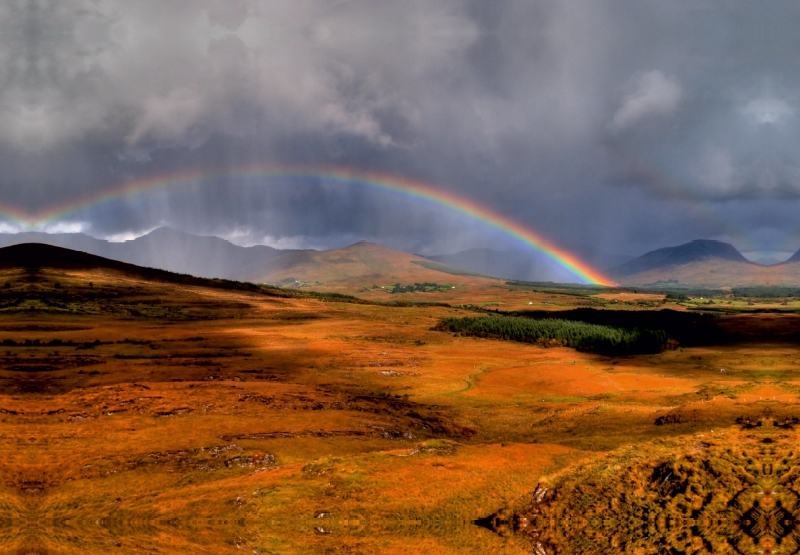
(693, 251)
(214, 257)
(362, 264)
(705, 263)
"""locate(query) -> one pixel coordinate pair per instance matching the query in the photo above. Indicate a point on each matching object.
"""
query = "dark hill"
(696, 251)
(795, 258)
(164, 248)
(37, 256)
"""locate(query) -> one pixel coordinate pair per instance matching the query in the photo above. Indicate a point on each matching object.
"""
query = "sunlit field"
(154, 412)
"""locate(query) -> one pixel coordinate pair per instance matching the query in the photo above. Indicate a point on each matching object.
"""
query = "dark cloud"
(614, 126)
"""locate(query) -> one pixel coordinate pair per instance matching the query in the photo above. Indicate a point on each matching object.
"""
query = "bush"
(578, 335)
(424, 287)
(677, 297)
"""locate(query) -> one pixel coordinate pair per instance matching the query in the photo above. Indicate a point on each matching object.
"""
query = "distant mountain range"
(694, 251)
(701, 263)
(705, 263)
(164, 248)
(359, 265)
(213, 257)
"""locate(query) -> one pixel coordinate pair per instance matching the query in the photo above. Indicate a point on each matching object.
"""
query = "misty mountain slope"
(37, 259)
(519, 264)
(200, 256)
(695, 251)
(362, 263)
(213, 257)
(503, 264)
(74, 241)
(163, 248)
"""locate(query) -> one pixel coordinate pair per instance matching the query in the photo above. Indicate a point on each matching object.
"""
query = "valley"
(148, 411)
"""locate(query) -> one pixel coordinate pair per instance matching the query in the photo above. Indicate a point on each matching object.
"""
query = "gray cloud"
(616, 126)
(655, 94)
(145, 73)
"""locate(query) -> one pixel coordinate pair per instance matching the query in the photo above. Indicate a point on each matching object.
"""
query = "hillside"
(40, 263)
(713, 273)
(704, 263)
(688, 253)
(213, 257)
(360, 265)
(794, 258)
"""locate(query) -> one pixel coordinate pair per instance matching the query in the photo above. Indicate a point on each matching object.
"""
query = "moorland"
(145, 411)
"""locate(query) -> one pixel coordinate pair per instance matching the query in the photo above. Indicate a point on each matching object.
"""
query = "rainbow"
(398, 185)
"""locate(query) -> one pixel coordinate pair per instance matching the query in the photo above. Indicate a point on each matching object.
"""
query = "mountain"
(360, 265)
(201, 256)
(705, 263)
(795, 258)
(74, 241)
(164, 248)
(701, 263)
(695, 251)
(35, 258)
(38, 255)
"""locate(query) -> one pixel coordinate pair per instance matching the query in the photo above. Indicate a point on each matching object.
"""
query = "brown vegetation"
(141, 413)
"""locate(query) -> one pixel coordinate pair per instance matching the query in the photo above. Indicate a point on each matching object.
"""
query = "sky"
(614, 126)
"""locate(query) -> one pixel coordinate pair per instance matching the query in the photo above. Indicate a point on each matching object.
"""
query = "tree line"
(583, 336)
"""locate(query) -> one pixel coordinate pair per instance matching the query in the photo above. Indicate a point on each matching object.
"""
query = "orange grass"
(229, 419)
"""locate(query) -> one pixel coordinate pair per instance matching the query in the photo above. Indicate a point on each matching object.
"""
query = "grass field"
(140, 415)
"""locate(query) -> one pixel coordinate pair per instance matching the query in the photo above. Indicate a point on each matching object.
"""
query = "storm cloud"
(614, 126)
